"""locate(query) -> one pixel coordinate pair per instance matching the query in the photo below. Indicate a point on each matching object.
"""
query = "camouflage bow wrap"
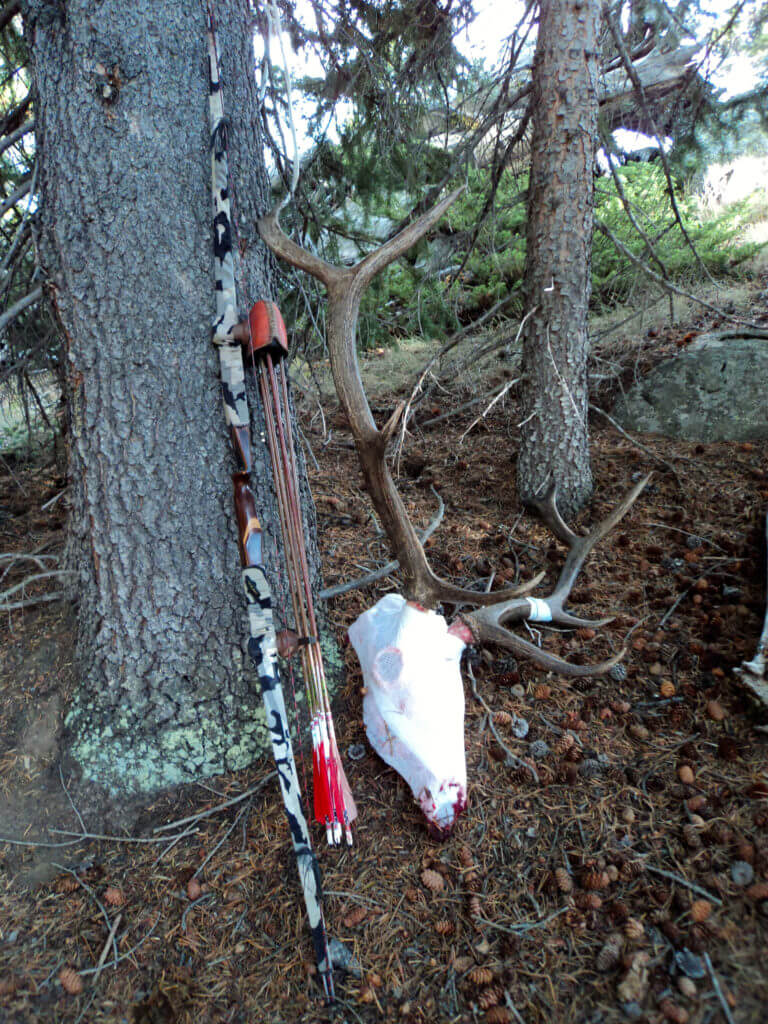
(227, 337)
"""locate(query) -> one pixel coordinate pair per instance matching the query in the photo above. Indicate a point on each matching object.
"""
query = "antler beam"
(494, 612)
(345, 287)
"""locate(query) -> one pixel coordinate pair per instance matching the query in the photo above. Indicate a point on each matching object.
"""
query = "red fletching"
(268, 333)
(320, 785)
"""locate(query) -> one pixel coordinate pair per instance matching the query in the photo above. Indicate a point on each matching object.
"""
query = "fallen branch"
(636, 443)
(12, 557)
(107, 944)
(452, 342)
(99, 837)
(501, 392)
(390, 567)
(128, 953)
(215, 810)
(6, 605)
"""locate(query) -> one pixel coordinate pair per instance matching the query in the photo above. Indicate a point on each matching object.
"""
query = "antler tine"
(443, 592)
(580, 547)
(487, 623)
(547, 510)
(490, 632)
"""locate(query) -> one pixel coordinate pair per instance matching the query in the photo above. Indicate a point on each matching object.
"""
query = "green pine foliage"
(719, 237)
(437, 288)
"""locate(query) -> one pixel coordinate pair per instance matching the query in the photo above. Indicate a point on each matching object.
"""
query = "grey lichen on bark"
(554, 436)
(166, 693)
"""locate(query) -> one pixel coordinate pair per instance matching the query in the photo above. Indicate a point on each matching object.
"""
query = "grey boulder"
(714, 391)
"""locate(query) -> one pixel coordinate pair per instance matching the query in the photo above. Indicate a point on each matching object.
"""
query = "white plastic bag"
(414, 706)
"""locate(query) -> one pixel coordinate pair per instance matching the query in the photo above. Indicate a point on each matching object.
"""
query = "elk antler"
(345, 286)
(485, 624)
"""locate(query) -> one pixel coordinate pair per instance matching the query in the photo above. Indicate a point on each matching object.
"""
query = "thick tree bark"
(554, 439)
(165, 694)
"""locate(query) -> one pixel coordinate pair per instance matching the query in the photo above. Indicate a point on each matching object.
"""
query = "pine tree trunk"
(554, 438)
(166, 694)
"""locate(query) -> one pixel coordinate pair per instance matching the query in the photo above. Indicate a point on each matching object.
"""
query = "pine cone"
(673, 1012)
(700, 910)
(610, 954)
(474, 906)
(672, 931)
(575, 920)
(472, 881)
(564, 744)
(502, 718)
(355, 917)
(71, 981)
(489, 997)
(114, 896)
(595, 880)
(618, 911)
(432, 880)
(720, 834)
(444, 927)
(631, 869)
(564, 880)
(480, 976)
(465, 856)
(498, 1015)
(634, 929)
(587, 901)
(692, 837)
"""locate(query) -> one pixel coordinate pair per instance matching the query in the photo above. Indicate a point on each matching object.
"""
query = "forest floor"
(627, 880)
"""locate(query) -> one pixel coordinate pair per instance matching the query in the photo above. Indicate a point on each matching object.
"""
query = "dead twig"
(83, 885)
(99, 837)
(718, 991)
(230, 830)
(128, 953)
(107, 944)
(683, 881)
(215, 810)
(513, 759)
(500, 394)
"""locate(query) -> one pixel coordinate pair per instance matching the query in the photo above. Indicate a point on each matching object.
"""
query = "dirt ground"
(620, 872)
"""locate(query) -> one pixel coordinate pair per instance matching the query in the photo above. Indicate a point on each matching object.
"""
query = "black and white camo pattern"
(230, 355)
(262, 645)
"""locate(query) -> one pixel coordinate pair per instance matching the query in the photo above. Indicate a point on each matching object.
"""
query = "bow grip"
(248, 525)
